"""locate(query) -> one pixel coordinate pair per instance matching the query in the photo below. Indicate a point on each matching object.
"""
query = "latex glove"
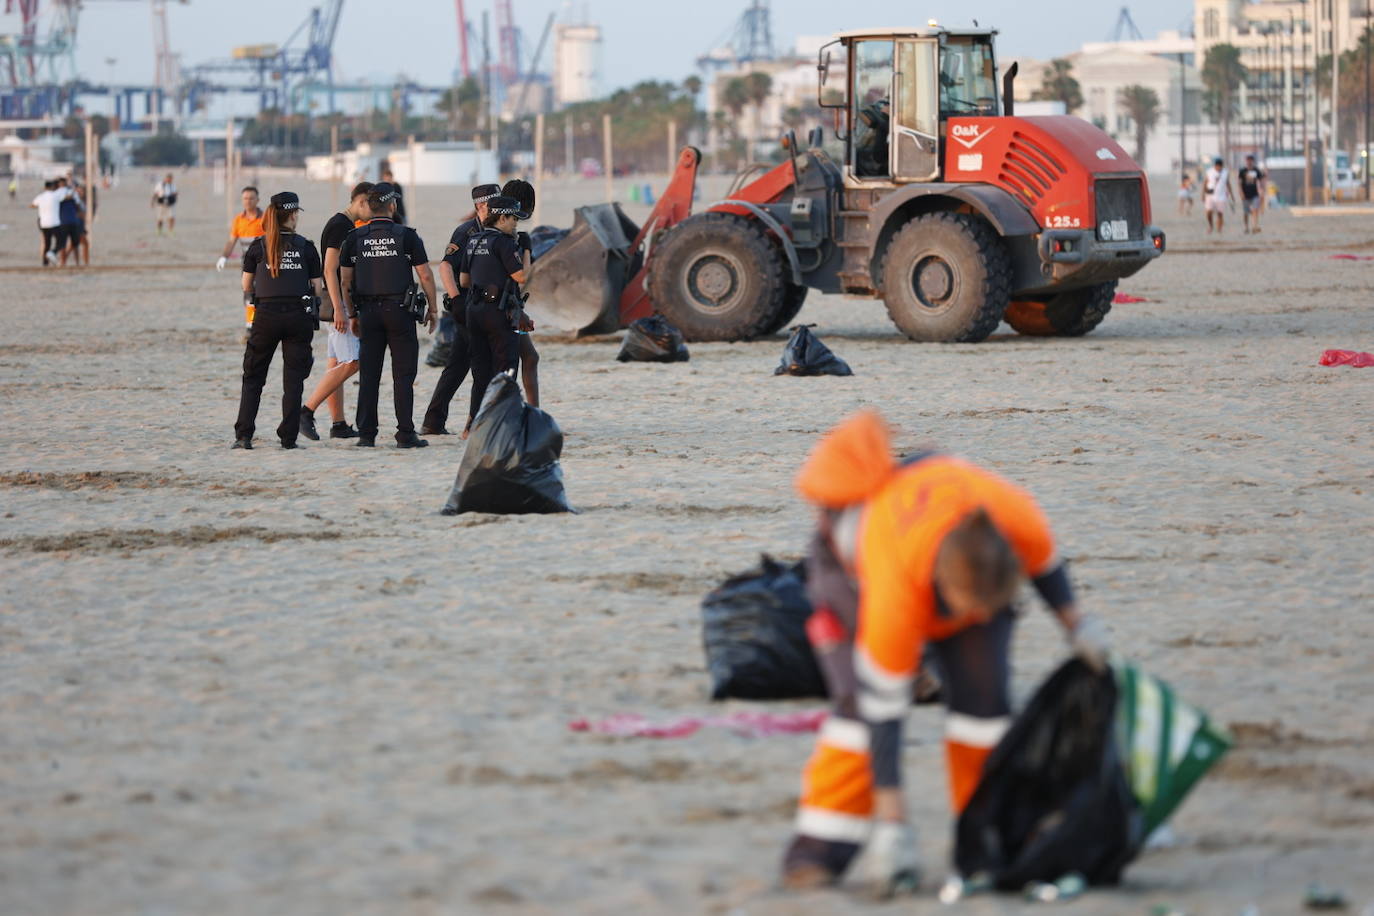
(891, 862)
(1091, 642)
(219, 265)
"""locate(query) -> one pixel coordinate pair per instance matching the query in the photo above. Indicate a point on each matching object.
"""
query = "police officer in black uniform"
(492, 270)
(282, 273)
(455, 303)
(375, 264)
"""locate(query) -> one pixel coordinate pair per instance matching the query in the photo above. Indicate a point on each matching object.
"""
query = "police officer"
(281, 272)
(492, 270)
(455, 304)
(375, 265)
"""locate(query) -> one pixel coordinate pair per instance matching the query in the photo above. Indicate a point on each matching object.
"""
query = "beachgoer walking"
(1252, 188)
(1217, 194)
(165, 203)
(1185, 195)
(49, 206)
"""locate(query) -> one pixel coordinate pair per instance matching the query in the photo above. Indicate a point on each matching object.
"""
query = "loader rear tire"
(947, 277)
(792, 304)
(1070, 314)
(716, 276)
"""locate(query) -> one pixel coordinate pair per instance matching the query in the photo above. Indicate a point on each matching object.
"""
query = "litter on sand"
(1352, 257)
(744, 724)
(510, 465)
(1127, 299)
(806, 355)
(1352, 358)
(653, 340)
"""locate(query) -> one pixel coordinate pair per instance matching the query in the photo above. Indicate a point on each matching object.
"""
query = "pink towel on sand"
(1347, 358)
(745, 724)
(1127, 299)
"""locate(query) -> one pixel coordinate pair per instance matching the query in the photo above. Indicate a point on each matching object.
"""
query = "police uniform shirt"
(300, 263)
(458, 243)
(382, 254)
(490, 259)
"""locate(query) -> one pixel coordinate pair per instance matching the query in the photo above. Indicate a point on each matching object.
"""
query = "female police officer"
(281, 271)
(491, 271)
(375, 264)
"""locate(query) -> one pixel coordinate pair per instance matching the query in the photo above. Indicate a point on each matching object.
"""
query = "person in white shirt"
(1217, 193)
(49, 207)
(165, 202)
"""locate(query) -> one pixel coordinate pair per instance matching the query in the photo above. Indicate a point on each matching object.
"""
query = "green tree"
(1057, 84)
(1142, 107)
(165, 148)
(461, 103)
(1222, 76)
(692, 85)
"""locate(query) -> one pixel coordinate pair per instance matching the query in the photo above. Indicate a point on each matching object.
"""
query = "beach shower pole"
(608, 158)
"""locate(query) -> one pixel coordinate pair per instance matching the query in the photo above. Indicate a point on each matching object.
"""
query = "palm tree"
(1142, 107)
(760, 87)
(1222, 76)
(1057, 84)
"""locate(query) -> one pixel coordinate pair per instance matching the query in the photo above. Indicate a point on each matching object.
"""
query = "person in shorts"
(49, 207)
(165, 203)
(1185, 195)
(1217, 194)
(1253, 192)
(343, 333)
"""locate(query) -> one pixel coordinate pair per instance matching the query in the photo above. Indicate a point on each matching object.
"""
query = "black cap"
(1218, 161)
(504, 206)
(484, 193)
(286, 200)
(384, 192)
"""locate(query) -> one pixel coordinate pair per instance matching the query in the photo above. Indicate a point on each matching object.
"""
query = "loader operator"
(455, 307)
(936, 549)
(874, 124)
(492, 270)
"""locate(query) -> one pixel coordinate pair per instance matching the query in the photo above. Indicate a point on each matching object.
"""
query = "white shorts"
(343, 347)
(1215, 204)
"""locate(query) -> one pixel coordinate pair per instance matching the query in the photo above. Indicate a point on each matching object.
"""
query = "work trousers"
(294, 330)
(386, 327)
(836, 806)
(455, 371)
(494, 345)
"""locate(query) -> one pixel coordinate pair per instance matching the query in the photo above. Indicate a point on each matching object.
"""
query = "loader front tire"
(792, 304)
(1070, 314)
(716, 276)
(946, 277)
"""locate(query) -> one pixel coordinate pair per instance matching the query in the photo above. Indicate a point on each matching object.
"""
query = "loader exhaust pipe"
(1008, 97)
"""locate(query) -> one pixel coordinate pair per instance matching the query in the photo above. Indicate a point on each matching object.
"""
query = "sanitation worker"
(935, 549)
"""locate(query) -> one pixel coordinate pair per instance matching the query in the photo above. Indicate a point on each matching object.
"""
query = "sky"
(643, 39)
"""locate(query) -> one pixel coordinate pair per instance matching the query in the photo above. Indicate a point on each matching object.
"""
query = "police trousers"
(837, 785)
(494, 345)
(294, 331)
(386, 326)
(455, 370)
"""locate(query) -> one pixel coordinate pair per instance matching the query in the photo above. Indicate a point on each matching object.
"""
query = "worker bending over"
(929, 553)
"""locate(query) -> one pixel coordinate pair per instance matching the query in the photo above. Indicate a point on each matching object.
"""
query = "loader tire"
(792, 304)
(1070, 314)
(946, 277)
(716, 276)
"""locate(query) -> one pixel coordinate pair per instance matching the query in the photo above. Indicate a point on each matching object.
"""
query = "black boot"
(308, 424)
(341, 430)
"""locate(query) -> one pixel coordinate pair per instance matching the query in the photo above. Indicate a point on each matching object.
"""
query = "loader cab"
(892, 90)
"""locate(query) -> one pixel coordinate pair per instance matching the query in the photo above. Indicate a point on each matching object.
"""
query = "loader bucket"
(576, 285)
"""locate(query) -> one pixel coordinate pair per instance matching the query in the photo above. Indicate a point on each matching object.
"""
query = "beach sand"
(280, 682)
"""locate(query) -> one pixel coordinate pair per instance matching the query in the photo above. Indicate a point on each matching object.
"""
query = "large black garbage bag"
(806, 355)
(653, 340)
(1054, 797)
(754, 630)
(510, 465)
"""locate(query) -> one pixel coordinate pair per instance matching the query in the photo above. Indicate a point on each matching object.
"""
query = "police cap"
(384, 192)
(504, 206)
(286, 200)
(485, 193)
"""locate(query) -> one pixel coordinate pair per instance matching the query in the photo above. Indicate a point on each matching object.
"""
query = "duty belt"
(378, 300)
(282, 306)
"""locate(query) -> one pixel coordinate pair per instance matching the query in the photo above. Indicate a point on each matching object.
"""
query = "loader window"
(872, 103)
(968, 77)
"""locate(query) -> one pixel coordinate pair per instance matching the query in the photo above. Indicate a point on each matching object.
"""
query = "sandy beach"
(280, 682)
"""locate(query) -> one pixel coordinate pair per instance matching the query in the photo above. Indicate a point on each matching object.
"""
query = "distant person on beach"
(165, 203)
(1217, 194)
(49, 206)
(245, 226)
(926, 554)
(1185, 195)
(400, 215)
(73, 226)
(281, 271)
(343, 333)
(1252, 189)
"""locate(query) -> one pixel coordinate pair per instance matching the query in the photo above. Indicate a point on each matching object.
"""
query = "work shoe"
(434, 431)
(243, 443)
(291, 444)
(410, 441)
(341, 430)
(366, 442)
(308, 425)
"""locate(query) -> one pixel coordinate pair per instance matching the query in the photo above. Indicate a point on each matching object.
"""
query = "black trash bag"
(443, 341)
(754, 631)
(510, 465)
(806, 355)
(653, 340)
(542, 238)
(1054, 797)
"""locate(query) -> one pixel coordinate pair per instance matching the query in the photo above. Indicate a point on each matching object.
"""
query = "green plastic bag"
(1167, 745)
